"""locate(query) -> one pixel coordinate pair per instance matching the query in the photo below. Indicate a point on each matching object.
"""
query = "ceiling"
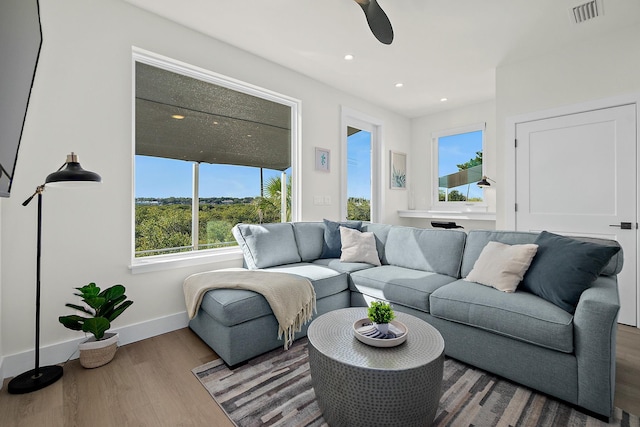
(442, 48)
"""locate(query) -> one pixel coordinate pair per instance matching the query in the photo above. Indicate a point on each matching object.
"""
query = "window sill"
(474, 216)
(167, 262)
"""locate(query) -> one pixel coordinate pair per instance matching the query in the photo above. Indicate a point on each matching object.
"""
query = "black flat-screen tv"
(20, 42)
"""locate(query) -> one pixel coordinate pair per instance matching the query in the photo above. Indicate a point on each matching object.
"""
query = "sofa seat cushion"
(342, 267)
(234, 306)
(326, 281)
(519, 315)
(399, 285)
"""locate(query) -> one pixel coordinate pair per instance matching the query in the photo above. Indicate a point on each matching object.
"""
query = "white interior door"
(576, 176)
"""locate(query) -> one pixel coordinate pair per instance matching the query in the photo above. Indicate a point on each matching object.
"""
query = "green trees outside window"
(164, 225)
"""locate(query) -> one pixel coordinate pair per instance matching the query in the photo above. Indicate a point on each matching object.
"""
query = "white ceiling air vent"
(585, 12)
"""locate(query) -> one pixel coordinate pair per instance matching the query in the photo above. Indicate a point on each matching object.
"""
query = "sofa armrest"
(595, 330)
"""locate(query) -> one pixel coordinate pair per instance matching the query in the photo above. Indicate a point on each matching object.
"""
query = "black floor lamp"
(42, 376)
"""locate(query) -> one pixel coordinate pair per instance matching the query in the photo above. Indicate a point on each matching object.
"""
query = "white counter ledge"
(453, 215)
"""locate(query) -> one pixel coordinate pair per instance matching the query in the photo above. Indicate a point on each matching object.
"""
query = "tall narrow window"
(458, 165)
(360, 166)
(207, 156)
(358, 174)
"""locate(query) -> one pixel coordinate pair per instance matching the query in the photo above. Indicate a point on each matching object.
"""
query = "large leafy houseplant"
(102, 308)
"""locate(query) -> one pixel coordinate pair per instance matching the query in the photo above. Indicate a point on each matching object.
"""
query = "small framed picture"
(398, 170)
(323, 159)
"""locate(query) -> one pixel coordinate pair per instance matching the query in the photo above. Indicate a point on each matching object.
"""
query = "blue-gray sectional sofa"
(520, 336)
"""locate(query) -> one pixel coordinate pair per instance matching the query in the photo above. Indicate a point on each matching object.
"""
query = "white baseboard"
(14, 364)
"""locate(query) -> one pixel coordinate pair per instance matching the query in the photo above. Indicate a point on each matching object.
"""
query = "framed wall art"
(398, 170)
(323, 159)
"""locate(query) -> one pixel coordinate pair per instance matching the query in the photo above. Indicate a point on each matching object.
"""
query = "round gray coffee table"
(360, 385)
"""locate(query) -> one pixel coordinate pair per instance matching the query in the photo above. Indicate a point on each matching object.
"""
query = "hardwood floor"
(628, 369)
(149, 383)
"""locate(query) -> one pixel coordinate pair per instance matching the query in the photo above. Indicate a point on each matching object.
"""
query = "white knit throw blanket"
(292, 298)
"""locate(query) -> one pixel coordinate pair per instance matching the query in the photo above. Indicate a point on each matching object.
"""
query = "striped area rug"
(275, 390)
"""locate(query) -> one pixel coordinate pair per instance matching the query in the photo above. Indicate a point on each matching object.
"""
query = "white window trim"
(438, 206)
(186, 259)
(169, 261)
(353, 118)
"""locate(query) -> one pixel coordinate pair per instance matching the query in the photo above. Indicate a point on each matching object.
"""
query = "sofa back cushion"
(381, 232)
(332, 243)
(478, 239)
(437, 251)
(309, 238)
(267, 245)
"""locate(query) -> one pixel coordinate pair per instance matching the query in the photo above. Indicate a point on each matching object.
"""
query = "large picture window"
(458, 165)
(208, 155)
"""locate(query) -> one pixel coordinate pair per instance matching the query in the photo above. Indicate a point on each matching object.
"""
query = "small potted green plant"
(381, 314)
(102, 307)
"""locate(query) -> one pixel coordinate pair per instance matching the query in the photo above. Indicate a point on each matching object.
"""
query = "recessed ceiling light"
(177, 116)
(443, 99)
(348, 57)
(399, 84)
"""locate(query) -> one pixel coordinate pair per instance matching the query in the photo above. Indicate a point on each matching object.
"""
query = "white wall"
(591, 70)
(82, 102)
(421, 156)
(1, 352)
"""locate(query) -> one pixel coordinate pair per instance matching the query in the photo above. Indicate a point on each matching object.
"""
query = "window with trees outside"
(458, 165)
(207, 156)
(360, 168)
(358, 174)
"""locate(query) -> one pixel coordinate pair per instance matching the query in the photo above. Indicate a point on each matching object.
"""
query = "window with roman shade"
(209, 152)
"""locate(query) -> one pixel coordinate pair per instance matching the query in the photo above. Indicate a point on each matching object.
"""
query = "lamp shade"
(484, 182)
(72, 173)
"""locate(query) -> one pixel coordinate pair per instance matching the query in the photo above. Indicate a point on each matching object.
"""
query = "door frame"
(509, 162)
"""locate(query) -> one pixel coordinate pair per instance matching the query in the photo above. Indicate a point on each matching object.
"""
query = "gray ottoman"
(359, 385)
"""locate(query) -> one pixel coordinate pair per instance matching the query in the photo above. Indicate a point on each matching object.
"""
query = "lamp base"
(29, 381)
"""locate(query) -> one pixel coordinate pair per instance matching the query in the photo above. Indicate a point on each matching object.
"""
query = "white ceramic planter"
(94, 353)
(383, 328)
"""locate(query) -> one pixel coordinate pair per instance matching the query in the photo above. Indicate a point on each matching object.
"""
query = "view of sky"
(457, 149)
(159, 178)
(359, 165)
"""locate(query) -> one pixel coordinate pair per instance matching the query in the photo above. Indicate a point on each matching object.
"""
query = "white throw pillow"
(358, 246)
(502, 266)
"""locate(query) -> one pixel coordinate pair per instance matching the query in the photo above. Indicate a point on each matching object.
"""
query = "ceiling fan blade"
(378, 20)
